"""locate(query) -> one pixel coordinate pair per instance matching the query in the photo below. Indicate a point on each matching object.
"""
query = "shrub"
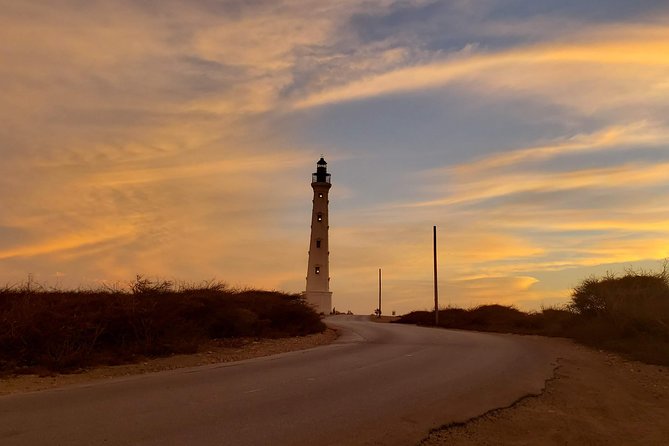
(628, 314)
(65, 330)
(483, 318)
(632, 304)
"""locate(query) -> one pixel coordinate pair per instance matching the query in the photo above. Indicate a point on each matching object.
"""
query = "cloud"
(72, 242)
(587, 72)
(629, 175)
(620, 137)
(127, 143)
(167, 138)
(503, 290)
(247, 166)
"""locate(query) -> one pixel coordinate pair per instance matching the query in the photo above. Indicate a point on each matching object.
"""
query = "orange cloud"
(253, 164)
(533, 68)
(486, 290)
(71, 242)
(162, 155)
(636, 135)
(476, 189)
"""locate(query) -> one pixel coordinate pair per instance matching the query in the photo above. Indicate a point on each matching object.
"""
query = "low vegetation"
(53, 330)
(628, 314)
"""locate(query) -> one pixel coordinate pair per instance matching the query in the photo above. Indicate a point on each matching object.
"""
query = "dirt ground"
(214, 352)
(595, 398)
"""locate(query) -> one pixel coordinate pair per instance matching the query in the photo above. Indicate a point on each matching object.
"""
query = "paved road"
(382, 384)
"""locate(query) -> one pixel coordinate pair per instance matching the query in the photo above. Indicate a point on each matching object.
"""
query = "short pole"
(436, 288)
(379, 292)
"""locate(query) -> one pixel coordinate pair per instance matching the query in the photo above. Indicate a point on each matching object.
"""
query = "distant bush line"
(54, 330)
(628, 314)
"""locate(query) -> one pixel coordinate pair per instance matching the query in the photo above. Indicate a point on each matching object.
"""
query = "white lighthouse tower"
(318, 292)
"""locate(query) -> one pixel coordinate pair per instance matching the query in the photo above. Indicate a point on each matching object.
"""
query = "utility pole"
(436, 288)
(379, 292)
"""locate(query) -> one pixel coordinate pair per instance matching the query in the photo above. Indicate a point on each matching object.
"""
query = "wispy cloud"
(625, 176)
(70, 242)
(617, 137)
(533, 69)
(248, 166)
(177, 138)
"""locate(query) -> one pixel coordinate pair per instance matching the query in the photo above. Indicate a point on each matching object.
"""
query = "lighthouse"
(318, 293)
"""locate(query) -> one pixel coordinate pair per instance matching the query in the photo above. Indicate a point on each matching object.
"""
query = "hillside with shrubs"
(45, 330)
(627, 314)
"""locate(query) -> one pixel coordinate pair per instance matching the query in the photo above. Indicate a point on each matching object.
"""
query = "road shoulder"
(595, 398)
(216, 351)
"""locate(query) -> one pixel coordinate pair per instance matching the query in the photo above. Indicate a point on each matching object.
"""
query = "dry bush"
(65, 330)
(554, 321)
(497, 318)
(628, 314)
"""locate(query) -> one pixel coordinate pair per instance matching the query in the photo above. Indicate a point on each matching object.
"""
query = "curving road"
(384, 384)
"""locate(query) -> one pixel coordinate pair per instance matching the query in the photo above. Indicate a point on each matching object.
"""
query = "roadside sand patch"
(215, 351)
(596, 398)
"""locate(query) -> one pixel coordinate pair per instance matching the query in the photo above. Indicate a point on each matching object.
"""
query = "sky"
(176, 139)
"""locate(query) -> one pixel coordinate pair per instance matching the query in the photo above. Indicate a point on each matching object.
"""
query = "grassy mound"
(628, 314)
(56, 330)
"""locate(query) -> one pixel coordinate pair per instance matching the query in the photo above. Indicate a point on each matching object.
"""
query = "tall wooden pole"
(379, 292)
(436, 288)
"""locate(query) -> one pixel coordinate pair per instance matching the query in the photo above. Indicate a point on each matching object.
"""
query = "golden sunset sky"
(177, 139)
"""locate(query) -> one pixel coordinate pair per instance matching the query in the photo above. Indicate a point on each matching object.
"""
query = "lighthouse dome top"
(321, 175)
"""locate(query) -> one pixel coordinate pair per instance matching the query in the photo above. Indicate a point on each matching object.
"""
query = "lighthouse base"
(320, 301)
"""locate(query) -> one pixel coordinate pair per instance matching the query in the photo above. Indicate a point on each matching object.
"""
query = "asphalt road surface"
(385, 384)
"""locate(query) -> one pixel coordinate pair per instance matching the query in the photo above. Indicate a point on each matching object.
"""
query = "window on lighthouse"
(318, 270)
(320, 195)
(318, 243)
(320, 217)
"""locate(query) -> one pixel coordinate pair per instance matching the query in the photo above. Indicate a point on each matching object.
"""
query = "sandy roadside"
(212, 353)
(596, 398)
